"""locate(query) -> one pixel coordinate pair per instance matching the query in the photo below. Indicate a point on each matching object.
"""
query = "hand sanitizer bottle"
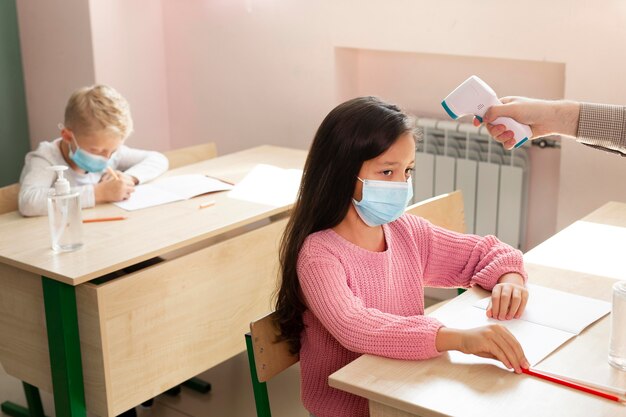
(66, 223)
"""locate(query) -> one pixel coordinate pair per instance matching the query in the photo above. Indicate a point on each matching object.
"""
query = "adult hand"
(544, 117)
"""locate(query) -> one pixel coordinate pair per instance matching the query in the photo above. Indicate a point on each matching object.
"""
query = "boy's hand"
(508, 298)
(107, 176)
(113, 190)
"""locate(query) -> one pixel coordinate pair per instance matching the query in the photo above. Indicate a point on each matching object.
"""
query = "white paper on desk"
(558, 309)
(170, 189)
(537, 341)
(269, 185)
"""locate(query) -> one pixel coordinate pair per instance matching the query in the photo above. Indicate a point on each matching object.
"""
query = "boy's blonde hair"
(99, 107)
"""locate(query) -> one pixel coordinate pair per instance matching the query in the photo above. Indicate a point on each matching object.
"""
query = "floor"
(231, 394)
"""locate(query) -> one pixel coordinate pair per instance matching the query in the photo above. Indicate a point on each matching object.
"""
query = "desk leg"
(64, 346)
(33, 399)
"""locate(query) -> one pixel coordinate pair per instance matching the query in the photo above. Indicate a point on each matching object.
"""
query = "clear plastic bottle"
(64, 214)
(617, 344)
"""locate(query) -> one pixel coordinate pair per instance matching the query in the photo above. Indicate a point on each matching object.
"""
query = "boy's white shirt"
(36, 180)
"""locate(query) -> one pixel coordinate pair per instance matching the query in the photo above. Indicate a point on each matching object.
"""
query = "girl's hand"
(493, 341)
(508, 298)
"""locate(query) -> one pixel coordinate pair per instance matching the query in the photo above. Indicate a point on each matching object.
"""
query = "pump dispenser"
(66, 223)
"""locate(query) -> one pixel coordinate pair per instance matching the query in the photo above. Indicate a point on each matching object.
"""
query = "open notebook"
(170, 189)
(551, 318)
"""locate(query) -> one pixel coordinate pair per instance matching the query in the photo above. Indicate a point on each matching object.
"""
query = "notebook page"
(170, 189)
(536, 340)
(147, 195)
(559, 309)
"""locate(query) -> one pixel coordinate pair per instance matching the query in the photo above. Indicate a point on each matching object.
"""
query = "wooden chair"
(268, 358)
(191, 154)
(445, 210)
(8, 198)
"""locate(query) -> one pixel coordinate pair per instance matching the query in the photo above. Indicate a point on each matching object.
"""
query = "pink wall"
(243, 78)
(129, 55)
(56, 46)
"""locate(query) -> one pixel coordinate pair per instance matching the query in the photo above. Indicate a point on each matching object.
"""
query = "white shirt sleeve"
(143, 165)
(36, 182)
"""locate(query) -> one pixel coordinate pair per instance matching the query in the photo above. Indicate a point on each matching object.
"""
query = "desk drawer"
(148, 331)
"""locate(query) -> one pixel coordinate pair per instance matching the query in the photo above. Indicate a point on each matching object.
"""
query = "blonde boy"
(102, 168)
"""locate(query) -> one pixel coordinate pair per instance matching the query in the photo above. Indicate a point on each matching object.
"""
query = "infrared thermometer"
(475, 97)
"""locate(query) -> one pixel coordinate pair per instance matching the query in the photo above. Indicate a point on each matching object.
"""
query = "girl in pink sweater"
(354, 266)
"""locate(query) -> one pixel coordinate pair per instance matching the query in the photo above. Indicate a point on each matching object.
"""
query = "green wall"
(14, 141)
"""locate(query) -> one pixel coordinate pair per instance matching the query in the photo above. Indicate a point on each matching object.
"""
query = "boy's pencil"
(206, 204)
(113, 173)
(220, 179)
(104, 219)
(579, 387)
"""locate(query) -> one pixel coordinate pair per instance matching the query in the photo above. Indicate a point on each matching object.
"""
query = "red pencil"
(573, 385)
(104, 219)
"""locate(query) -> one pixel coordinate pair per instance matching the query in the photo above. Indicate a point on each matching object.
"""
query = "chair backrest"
(191, 154)
(270, 357)
(445, 210)
(8, 198)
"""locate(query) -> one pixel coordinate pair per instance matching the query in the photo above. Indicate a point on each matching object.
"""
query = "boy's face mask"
(383, 201)
(88, 161)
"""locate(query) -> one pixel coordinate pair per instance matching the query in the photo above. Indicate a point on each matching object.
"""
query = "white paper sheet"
(170, 189)
(269, 185)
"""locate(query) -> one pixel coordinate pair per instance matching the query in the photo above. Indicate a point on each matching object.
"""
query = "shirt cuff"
(87, 197)
(602, 126)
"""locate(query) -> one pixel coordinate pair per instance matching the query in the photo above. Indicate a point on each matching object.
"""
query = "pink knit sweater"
(373, 302)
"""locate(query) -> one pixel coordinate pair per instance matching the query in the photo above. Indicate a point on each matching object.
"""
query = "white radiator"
(494, 181)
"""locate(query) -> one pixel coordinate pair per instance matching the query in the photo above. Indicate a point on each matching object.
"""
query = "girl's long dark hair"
(353, 132)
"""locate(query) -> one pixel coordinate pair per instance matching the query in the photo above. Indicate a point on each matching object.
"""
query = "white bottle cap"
(61, 185)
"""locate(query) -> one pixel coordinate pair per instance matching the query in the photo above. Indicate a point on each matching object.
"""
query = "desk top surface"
(593, 244)
(437, 387)
(110, 246)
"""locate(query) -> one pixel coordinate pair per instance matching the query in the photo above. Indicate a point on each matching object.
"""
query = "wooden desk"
(437, 387)
(129, 338)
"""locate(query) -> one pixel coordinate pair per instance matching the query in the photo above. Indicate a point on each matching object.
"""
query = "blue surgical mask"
(383, 201)
(87, 161)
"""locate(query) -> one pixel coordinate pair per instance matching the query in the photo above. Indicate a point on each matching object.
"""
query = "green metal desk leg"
(35, 409)
(64, 345)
